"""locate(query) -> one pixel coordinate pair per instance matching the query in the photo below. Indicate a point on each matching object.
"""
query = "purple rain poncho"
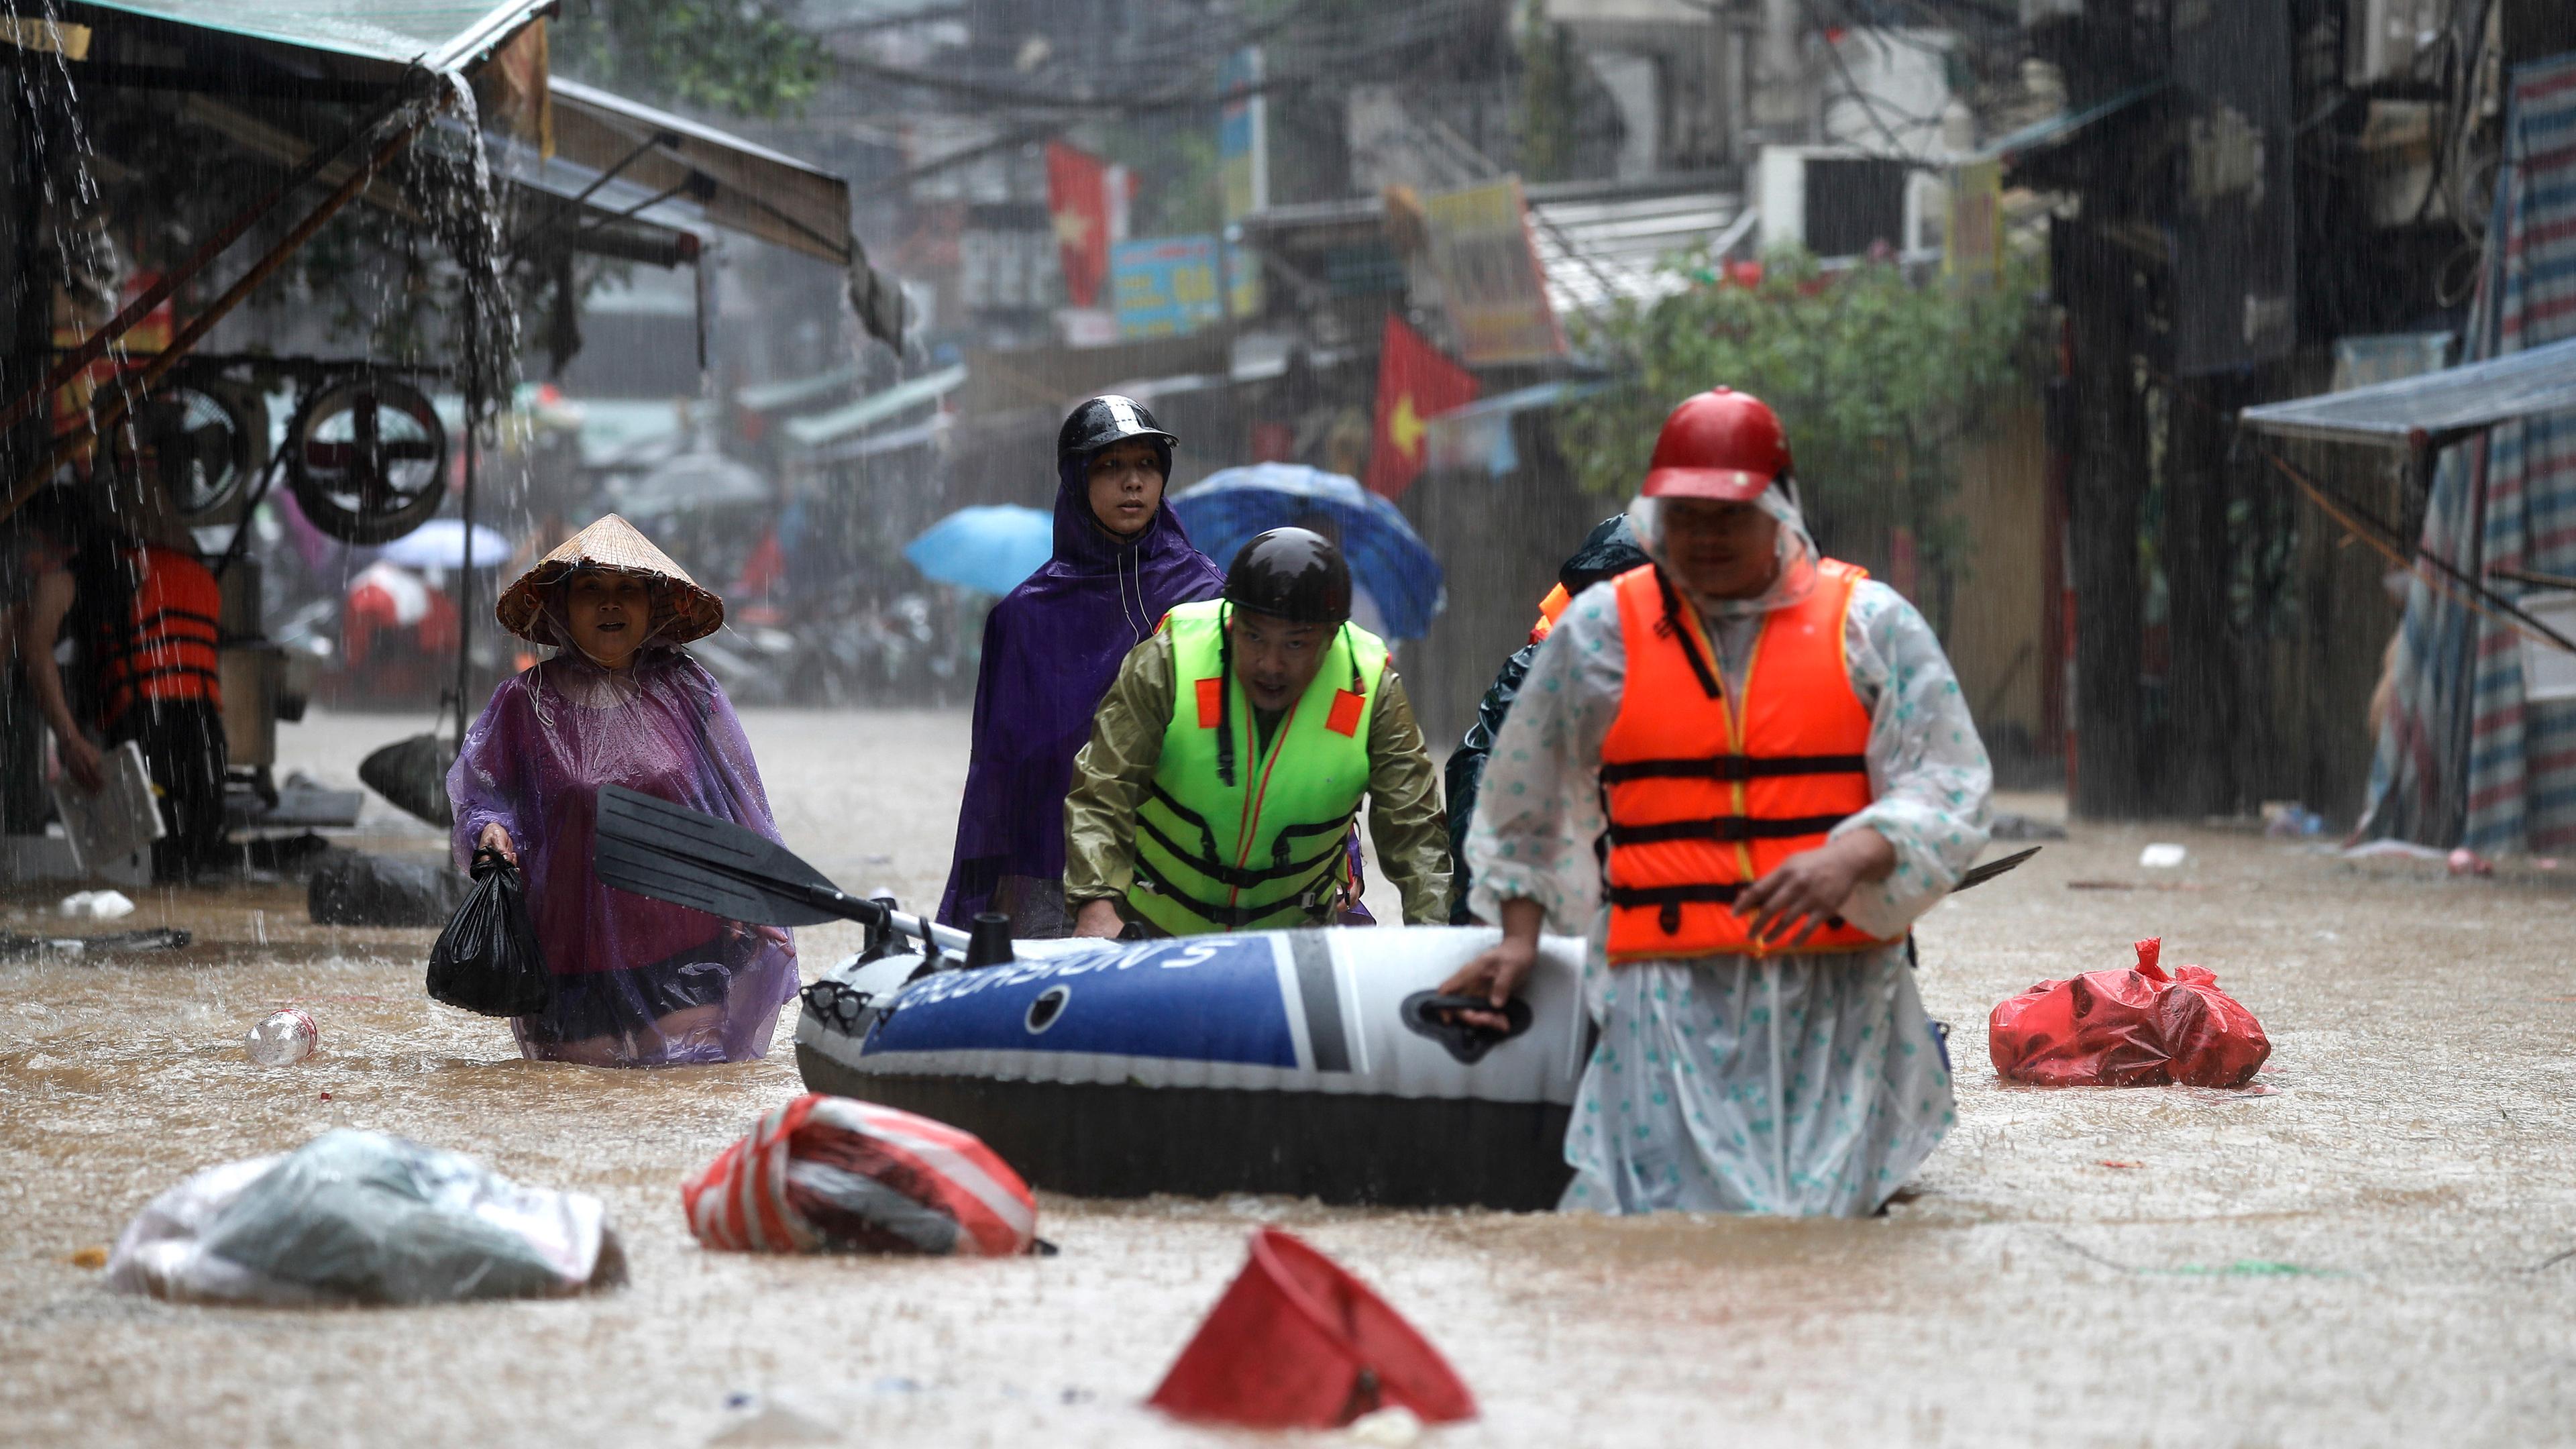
(624, 964)
(1050, 649)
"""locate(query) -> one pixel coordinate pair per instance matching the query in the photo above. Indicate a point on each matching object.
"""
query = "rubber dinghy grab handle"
(1466, 1041)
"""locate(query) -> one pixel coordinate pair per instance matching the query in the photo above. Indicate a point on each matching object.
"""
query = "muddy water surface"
(2356, 1257)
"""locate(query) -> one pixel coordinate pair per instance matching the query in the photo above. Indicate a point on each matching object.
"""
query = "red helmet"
(1718, 444)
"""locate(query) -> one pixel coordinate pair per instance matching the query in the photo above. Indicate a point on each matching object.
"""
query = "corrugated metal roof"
(1596, 252)
(1597, 242)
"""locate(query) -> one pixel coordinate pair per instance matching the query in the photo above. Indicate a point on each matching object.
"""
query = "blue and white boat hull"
(1270, 1062)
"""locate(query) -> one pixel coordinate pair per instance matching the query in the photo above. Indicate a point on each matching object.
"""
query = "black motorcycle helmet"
(1293, 574)
(1095, 423)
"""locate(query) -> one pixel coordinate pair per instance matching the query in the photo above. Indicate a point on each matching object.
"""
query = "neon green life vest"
(1265, 851)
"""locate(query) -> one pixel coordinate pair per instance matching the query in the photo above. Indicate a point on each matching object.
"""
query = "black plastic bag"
(412, 773)
(487, 959)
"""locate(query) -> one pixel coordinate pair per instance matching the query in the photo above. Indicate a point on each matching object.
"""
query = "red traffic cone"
(1297, 1342)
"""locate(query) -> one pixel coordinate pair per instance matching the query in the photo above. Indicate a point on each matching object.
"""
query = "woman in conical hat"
(638, 982)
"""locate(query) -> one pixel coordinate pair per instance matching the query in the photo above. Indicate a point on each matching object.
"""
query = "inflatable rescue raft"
(1314, 1063)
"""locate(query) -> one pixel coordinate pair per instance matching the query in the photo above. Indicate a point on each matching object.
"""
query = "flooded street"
(2373, 1252)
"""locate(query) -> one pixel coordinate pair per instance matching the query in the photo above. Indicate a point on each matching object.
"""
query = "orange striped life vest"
(171, 648)
(1705, 798)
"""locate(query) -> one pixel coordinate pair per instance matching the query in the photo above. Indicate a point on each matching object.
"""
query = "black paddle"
(1993, 868)
(673, 853)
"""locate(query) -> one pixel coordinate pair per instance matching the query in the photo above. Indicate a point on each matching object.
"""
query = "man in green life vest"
(1228, 761)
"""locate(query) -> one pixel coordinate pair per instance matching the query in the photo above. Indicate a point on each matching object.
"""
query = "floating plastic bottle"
(282, 1038)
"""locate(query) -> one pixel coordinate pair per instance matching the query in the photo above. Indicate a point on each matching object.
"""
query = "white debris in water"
(2162, 855)
(97, 905)
(1393, 1427)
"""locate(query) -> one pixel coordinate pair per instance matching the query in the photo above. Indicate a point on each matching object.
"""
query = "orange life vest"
(1703, 798)
(171, 648)
(1550, 609)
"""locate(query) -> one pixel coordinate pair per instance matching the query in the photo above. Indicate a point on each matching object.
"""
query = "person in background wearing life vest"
(1609, 550)
(1228, 760)
(145, 615)
(1778, 759)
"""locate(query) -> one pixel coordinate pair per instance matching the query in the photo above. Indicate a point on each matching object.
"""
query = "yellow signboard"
(1489, 272)
(1975, 243)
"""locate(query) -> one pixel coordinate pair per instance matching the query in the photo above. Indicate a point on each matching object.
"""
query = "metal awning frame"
(2546, 377)
(658, 132)
(2053, 131)
(820, 430)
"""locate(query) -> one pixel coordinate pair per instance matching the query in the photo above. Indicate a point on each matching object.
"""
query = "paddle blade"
(1993, 868)
(672, 853)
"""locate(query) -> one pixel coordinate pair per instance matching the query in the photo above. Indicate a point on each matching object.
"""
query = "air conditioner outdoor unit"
(2385, 36)
(1838, 201)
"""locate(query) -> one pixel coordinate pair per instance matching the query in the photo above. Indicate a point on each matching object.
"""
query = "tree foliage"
(1548, 101)
(1173, 156)
(1880, 380)
(742, 56)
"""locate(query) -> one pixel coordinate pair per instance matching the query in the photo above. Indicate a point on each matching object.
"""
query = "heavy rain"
(1133, 722)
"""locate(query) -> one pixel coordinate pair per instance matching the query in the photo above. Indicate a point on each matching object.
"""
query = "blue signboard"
(1166, 286)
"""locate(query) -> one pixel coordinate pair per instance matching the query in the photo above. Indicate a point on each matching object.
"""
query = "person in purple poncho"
(638, 982)
(1051, 647)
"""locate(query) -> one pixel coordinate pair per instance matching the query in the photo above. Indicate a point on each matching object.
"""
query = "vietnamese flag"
(1078, 206)
(1414, 383)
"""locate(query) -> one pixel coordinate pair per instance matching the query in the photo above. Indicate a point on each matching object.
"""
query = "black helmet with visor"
(1095, 423)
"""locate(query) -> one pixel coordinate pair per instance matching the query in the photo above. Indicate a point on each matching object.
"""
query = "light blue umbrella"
(989, 549)
(440, 544)
(1389, 561)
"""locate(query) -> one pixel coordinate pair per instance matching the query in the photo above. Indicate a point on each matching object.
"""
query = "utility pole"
(1782, 110)
(26, 341)
(2205, 755)
(2098, 259)
(2096, 281)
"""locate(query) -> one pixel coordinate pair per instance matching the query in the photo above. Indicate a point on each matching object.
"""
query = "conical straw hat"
(682, 611)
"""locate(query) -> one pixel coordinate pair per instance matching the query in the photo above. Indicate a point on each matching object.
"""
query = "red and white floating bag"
(830, 1174)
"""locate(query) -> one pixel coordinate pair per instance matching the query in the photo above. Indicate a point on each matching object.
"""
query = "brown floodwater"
(2367, 1254)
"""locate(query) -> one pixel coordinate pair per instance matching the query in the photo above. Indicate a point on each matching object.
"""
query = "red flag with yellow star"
(1078, 205)
(1414, 383)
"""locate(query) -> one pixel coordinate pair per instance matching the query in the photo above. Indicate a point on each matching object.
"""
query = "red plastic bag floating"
(2135, 1028)
(829, 1174)
(1297, 1342)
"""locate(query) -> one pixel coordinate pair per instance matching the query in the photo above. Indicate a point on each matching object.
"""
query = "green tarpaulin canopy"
(438, 34)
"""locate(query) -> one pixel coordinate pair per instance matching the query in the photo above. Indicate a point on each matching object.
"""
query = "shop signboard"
(1489, 273)
(1166, 286)
(1243, 167)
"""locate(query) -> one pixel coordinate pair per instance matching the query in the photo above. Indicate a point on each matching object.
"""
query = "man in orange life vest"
(145, 617)
(1742, 769)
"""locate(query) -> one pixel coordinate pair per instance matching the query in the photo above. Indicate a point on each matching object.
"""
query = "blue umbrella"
(989, 549)
(1389, 561)
(440, 544)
